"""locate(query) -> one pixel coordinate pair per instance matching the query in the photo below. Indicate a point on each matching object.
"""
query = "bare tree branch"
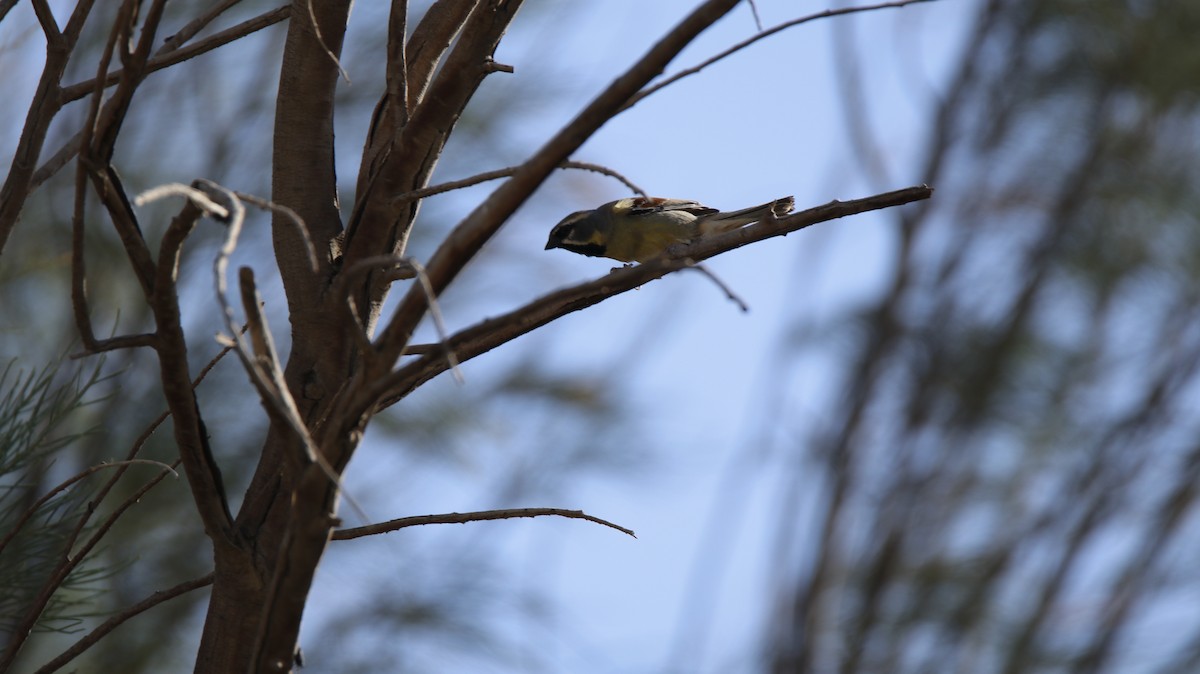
(44, 106)
(162, 59)
(380, 225)
(462, 518)
(763, 34)
(120, 618)
(173, 42)
(470, 234)
(70, 560)
(167, 58)
(66, 484)
(507, 173)
(498, 330)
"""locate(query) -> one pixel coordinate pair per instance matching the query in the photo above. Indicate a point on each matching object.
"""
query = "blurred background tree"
(1001, 476)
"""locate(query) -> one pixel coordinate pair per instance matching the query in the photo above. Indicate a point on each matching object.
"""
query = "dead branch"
(462, 518)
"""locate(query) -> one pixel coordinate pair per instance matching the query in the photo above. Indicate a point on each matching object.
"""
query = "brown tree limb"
(191, 28)
(79, 303)
(462, 518)
(45, 17)
(303, 176)
(469, 236)
(493, 332)
(165, 58)
(204, 476)
(396, 74)
(379, 225)
(44, 106)
(101, 131)
(430, 41)
(162, 59)
(119, 618)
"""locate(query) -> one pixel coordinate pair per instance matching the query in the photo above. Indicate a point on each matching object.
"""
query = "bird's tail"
(719, 223)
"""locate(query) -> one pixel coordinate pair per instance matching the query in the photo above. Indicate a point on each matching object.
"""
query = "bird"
(636, 229)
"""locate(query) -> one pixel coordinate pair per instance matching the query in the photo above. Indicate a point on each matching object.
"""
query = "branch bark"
(47, 101)
(493, 332)
(469, 236)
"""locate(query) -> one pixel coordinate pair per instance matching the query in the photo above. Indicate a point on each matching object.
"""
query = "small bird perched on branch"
(638, 228)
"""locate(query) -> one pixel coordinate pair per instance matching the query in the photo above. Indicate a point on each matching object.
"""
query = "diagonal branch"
(405, 157)
(68, 562)
(46, 102)
(493, 332)
(469, 236)
(165, 58)
(119, 618)
(30, 511)
(162, 59)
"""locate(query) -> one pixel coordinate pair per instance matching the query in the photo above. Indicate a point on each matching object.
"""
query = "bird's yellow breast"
(638, 244)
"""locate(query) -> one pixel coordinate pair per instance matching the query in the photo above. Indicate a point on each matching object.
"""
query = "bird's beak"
(549, 245)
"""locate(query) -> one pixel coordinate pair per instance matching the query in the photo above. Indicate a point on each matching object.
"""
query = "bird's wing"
(645, 205)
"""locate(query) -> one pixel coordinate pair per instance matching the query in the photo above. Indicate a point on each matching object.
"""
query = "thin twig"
(754, 10)
(312, 17)
(722, 285)
(214, 41)
(462, 518)
(348, 279)
(193, 27)
(438, 324)
(198, 197)
(763, 34)
(121, 617)
(66, 484)
(292, 217)
(69, 561)
(507, 172)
